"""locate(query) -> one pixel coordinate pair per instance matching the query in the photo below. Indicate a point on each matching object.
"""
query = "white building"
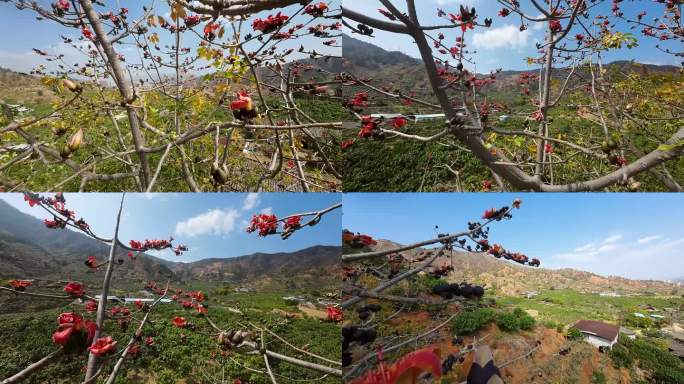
(598, 333)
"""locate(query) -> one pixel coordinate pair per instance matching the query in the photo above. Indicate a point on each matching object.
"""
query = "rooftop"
(597, 328)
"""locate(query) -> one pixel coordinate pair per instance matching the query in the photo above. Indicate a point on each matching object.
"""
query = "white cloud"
(506, 36)
(612, 239)
(585, 247)
(216, 222)
(652, 259)
(251, 201)
(648, 239)
(267, 211)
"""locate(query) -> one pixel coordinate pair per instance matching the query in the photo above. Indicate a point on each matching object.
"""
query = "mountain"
(511, 279)
(406, 73)
(30, 250)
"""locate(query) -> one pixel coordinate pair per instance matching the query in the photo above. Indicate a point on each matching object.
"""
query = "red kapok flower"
(316, 9)
(334, 313)
(405, 370)
(87, 33)
(91, 306)
(548, 148)
(269, 24)
(19, 285)
(243, 102)
(74, 289)
(180, 322)
(293, 222)
(91, 262)
(69, 317)
(399, 122)
(102, 346)
(265, 223)
(347, 144)
(63, 334)
(488, 214)
(149, 340)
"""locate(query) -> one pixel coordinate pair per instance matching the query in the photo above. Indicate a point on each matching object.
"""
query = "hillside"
(23, 88)
(512, 279)
(30, 250)
(404, 72)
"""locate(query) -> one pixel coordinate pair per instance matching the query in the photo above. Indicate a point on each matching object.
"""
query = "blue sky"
(28, 33)
(632, 235)
(211, 224)
(503, 45)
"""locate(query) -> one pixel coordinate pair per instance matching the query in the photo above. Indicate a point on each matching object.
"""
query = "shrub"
(621, 357)
(471, 321)
(574, 334)
(514, 321)
(598, 378)
(507, 322)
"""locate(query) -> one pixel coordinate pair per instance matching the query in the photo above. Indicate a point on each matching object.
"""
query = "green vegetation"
(468, 322)
(100, 133)
(574, 334)
(598, 377)
(665, 368)
(566, 306)
(514, 321)
(178, 355)
(400, 164)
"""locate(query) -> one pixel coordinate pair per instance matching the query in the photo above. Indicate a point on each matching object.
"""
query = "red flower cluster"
(347, 144)
(32, 199)
(121, 311)
(465, 17)
(74, 289)
(548, 148)
(504, 12)
(242, 102)
(91, 262)
(359, 100)
(103, 346)
(270, 24)
(399, 122)
(357, 240)
(265, 223)
(334, 313)
(57, 223)
(91, 306)
(73, 332)
(87, 33)
(369, 127)
(316, 10)
(150, 244)
(61, 4)
(198, 296)
(555, 26)
(411, 365)
(180, 322)
(20, 285)
(292, 222)
(191, 20)
(210, 31)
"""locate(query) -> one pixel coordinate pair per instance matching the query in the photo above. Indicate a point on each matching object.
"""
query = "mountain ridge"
(513, 279)
(30, 250)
